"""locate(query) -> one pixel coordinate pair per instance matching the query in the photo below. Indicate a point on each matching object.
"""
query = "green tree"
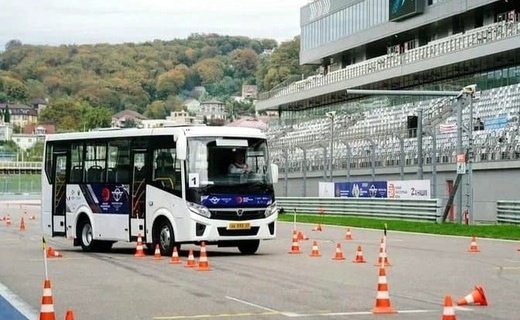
(244, 62)
(282, 67)
(156, 110)
(13, 88)
(13, 44)
(35, 153)
(170, 82)
(210, 70)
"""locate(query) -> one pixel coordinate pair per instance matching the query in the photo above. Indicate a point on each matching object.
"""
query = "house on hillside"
(125, 118)
(39, 104)
(213, 112)
(180, 117)
(192, 106)
(249, 92)
(20, 115)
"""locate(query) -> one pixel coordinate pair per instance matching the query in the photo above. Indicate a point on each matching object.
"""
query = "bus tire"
(163, 235)
(248, 247)
(86, 239)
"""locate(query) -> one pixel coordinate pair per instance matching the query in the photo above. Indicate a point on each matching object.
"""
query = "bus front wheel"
(164, 237)
(248, 246)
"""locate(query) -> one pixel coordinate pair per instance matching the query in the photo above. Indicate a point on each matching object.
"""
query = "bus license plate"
(239, 226)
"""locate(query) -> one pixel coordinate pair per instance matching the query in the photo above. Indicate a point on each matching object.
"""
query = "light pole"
(331, 115)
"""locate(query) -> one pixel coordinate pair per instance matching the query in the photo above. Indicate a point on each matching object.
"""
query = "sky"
(55, 22)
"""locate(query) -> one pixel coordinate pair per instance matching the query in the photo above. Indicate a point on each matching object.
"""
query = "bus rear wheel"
(85, 235)
(87, 241)
(248, 247)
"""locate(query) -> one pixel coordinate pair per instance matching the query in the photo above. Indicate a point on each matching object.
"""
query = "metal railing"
(457, 42)
(423, 210)
(25, 165)
(508, 211)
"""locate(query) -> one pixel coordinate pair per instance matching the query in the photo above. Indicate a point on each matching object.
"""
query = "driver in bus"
(238, 165)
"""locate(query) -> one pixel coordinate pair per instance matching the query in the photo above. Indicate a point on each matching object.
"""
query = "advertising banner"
(409, 189)
(361, 189)
(236, 200)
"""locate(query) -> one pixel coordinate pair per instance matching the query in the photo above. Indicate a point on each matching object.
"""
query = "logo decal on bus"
(117, 194)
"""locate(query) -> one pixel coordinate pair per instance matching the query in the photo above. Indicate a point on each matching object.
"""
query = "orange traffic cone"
(295, 247)
(8, 220)
(348, 235)
(449, 312)
(69, 315)
(157, 253)
(302, 236)
(175, 257)
(383, 257)
(317, 228)
(51, 253)
(382, 299)
(139, 252)
(359, 256)
(476, 297)
(315, 251)
(22, 225)
(190, 263)
(47, 307)
(473, 247)
(203, 259)
(339, 253)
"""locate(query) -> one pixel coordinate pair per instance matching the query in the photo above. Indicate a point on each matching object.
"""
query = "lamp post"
(331, 115)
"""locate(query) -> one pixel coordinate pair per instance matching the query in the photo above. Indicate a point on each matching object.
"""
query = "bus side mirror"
(181, 148)
(274, 172)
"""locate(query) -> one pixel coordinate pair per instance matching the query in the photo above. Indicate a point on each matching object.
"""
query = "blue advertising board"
(361, 189)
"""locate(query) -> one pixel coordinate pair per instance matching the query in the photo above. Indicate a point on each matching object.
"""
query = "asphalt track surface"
(272, 284)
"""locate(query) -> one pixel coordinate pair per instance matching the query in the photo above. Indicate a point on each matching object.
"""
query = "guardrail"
(25, 165)
(425, 210)
(508, 211)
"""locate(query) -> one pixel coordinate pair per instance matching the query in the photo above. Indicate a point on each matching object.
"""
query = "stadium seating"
(498, 109)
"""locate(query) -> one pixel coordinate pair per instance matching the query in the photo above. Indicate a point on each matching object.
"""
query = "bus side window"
(76, 174)
(164, 171)
(95, 174)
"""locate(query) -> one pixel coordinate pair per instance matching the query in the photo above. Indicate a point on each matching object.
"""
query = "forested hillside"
(152, 78)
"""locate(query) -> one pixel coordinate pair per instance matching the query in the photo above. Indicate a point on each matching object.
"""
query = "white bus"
(169, 185)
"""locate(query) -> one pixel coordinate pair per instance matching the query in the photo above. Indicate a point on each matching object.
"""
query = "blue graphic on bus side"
(110, 198)
(235, 200)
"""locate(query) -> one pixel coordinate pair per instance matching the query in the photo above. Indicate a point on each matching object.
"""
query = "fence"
(20, 183)
(425, 210)
(508, 211)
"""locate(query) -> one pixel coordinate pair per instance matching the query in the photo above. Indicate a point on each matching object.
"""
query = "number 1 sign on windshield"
(193, 180)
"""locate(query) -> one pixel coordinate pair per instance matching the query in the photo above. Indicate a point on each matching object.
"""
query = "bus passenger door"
(138, 190)
(59, 187)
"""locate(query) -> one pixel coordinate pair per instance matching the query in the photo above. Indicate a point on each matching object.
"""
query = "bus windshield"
(227, 162)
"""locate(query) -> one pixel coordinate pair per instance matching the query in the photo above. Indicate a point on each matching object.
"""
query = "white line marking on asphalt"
(252, 304)
(18, 303)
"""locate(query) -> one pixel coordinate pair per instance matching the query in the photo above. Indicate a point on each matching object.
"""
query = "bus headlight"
(271, 209)
(198, 209)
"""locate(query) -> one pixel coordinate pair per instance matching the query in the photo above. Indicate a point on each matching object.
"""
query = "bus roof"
(188, 131)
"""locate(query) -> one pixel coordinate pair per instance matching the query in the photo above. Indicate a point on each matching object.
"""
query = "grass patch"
(511, 232)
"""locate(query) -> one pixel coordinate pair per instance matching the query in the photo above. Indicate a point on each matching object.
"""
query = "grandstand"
(432, 45)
